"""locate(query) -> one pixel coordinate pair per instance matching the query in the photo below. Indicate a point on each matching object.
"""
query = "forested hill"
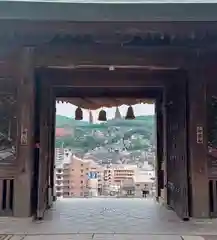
(133, 136)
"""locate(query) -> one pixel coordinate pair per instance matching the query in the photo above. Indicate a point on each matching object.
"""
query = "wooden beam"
(104, 78)
(39, 28)
(72, 56)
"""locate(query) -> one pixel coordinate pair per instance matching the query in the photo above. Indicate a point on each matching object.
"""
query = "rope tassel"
(117, 113)
(90, 117)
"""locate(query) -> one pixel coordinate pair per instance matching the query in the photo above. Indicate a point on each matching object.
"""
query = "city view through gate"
(109, 157)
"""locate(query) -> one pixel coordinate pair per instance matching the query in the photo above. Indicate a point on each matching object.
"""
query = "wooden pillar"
(199, 194)
(51, 133)
(43, 182)
(25, 142)
(160, 141)
(53, 130)
(164, 163)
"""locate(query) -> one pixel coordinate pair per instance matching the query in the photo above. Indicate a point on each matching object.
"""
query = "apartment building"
(62, 160)
(79, 178)
(58, 178)
(76, 177)
(115, 175)
(59, 156)
(123, 172)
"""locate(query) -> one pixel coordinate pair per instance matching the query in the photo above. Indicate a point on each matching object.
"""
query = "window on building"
(82, 181)
(59, 170)
(82, 164)
(59, 194)
(81, 194)
(82, 170)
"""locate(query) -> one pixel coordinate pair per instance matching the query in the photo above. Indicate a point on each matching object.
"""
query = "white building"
(59, 156)
(145, 180)
(62, 156)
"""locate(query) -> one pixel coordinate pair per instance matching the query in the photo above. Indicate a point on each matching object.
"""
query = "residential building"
(62, 159)
(59, 181)
(82, 178)
(145, 180)
(59, 156)
(123, 172)
(115, 175)
(127, 188)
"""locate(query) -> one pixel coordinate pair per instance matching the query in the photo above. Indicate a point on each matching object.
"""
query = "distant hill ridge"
(67, 122)
(83, 137)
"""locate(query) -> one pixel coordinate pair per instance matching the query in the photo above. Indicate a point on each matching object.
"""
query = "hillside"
(114, 139)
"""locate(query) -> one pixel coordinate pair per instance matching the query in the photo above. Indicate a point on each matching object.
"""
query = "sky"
(66, 109)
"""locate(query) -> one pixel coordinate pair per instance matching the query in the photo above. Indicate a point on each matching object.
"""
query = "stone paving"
(100, 237)
(106, 219)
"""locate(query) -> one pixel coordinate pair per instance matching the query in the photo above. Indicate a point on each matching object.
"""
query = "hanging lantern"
(102, 116)
(117, 113)
(130, 113)
(90, 117)
(78, 114)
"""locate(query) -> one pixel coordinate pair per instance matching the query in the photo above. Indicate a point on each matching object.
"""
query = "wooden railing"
(6, 196)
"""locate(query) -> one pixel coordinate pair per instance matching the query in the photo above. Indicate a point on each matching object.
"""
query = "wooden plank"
(177, 169)
(214, 196)
(198, 77)
(104, 28)
(8, 186)
(22, 186)
(104, 78)
(44, 153)
(73, 55)
(1, 193)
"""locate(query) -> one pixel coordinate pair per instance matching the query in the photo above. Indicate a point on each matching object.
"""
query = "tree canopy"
(85, 137)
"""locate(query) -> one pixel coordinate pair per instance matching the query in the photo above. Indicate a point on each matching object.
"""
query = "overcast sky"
(66, 109)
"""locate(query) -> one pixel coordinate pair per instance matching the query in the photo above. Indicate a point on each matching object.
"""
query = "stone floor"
(106, 219)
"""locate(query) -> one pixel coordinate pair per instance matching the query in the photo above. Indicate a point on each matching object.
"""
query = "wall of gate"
(6, 196)
(212, 146)
(176, 141)
(8, 144)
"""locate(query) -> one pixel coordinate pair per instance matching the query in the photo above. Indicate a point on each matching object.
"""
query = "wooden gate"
(177, 168)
